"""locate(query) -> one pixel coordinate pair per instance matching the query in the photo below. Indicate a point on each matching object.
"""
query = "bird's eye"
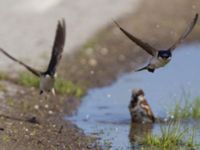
(165, 56)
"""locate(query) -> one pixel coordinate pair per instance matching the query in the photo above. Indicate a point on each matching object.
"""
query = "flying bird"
(159, 57)
(139, 108)
(47, 78)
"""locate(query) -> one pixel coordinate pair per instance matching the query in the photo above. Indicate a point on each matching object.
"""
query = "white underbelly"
(46, 83)
(157, 63)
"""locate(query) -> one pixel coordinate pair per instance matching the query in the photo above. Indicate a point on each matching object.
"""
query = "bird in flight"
(139, 108)
(159, 57)
(47, 78)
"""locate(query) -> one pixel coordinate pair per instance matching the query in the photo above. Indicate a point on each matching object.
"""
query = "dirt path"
(28, 26)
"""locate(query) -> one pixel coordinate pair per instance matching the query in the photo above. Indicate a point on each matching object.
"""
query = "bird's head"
(164, 54)
(136, 93)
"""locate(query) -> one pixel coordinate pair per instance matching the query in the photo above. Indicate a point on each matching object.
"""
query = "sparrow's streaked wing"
(35, 72)
(149, 49)
(186, 33)
(145, 105)
(57, 48)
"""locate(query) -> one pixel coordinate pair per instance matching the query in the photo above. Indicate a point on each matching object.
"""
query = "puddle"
(104, 111)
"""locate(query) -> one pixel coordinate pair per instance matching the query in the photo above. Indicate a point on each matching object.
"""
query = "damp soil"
(29, 121)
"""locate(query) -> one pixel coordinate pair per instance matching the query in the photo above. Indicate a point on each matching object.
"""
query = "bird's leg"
(45, 95)
(41, 92)
(53, 92)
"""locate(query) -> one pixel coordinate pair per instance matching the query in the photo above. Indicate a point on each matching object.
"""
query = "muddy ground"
(29, 121)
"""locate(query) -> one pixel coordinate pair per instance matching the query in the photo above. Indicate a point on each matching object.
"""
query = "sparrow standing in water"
(159, 57)
(139, 108)
(47, 78)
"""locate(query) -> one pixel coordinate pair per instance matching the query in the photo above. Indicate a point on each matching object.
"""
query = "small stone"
(1, 129)
(89, 51)
(193, 6)
(92, 62)
(92, 146)
(2, 95)
(157, 26)
(46, 106)
(92, 72)
(36, 106)
(83, 61)
(32, 133)
(33, 120)
(22, 92)
(50, 112)
(104, 51)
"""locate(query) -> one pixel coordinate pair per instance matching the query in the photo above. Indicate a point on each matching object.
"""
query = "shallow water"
(105, 110)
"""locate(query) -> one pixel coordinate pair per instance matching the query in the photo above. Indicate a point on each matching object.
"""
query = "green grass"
(69, 88)
(61, 86)
(196, 108)
(189, 109)
(5, 138)
(2, 87)
(28, 79)
(3, 76)
(10, 101)
(90, 44)
(171, 137)
(107, 144)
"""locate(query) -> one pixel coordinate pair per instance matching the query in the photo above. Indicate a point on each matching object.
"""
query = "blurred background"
(96, 54)
(28, 26)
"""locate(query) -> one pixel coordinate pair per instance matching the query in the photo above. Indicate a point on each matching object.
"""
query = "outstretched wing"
(57, 48)
(35, 72)
(149, 49)
(186, 33)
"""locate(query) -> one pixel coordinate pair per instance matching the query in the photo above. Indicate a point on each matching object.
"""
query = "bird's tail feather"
(144, 68)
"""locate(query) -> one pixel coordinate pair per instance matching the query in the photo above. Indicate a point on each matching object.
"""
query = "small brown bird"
(47, 78)
(159, 57)
(139, 108)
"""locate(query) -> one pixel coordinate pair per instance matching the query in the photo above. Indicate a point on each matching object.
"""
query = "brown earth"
(30, 121)
(98, 63)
